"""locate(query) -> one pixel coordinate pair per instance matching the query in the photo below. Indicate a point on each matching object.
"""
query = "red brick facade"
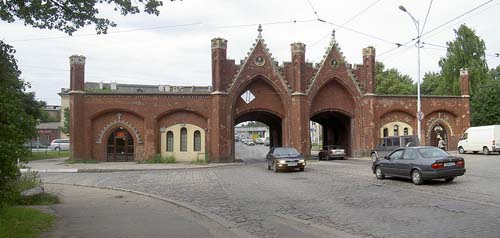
(287, 97)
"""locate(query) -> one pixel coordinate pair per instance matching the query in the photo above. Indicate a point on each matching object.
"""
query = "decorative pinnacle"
(259, 29)
(333, 34)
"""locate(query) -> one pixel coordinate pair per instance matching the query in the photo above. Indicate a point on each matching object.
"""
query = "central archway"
(336, 129)
(273, 121)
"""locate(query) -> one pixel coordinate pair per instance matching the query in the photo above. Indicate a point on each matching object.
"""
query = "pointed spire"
(259, 29)
(333, 34)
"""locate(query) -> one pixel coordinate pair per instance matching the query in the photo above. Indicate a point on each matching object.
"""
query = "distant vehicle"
(59, 144)
(331, 152)
(480, 138)
(266, 141)
(34, 145)
(420, 164)
(260, 140)
(281, 158)
(388, 144)
(248, 142)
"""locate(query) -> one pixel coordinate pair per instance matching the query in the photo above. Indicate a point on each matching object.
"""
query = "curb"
(221, 221)
(103, 170)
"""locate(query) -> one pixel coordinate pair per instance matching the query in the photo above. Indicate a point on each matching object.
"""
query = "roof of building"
(48, 125)
(116, 88)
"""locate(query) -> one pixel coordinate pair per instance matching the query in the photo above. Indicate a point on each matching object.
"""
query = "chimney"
(219, 51)
(464, 82)
(298, 61)
(369, 68)
(77, 74)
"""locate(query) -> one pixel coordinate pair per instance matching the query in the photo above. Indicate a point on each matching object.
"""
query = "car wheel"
(301, 169)
(57, 149)
(486, 151)
(461, 150)
(416, 177)
(374, 157)
(449, 179)
(379, 174)
(275, 168)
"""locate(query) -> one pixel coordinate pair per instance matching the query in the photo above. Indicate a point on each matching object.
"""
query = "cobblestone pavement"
(331, 198)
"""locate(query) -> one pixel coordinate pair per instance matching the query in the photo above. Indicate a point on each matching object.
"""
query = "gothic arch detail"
(115, 123)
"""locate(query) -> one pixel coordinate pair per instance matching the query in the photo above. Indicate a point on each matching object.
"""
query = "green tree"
(495, 73)
(466, 51)
(44, 115)
(67, 123)
(392, 82)
(485, 106)
(431, 84)
(70, 15)
(19, 112)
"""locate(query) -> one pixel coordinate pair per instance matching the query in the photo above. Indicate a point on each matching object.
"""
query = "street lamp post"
(420, 115)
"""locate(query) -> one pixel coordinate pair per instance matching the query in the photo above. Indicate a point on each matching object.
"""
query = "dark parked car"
(390, 143)
(331, 152)
(281, 158)
(420, 164)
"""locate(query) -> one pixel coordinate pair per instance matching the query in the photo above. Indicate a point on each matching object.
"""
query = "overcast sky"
(174, 48)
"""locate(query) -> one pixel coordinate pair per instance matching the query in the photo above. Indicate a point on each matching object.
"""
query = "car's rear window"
(432, 152)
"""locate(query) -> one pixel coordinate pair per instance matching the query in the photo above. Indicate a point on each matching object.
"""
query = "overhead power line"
(398, 45)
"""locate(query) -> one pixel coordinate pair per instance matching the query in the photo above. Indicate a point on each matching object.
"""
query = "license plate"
(449, 164)
(292, 164)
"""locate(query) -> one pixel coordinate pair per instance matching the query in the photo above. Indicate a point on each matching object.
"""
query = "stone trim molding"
(115, 123)
(438, 120)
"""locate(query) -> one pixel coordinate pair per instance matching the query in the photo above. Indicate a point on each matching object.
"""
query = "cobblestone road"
(330, 198)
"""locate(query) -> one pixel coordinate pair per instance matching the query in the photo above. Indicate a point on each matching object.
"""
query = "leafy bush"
(158, 159)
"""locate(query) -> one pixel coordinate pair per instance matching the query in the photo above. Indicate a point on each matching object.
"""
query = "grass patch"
(23, 222)
(158, 159)
(38, 155)
(28, 180)
(81, 161)
(39, 199)
(199, 161)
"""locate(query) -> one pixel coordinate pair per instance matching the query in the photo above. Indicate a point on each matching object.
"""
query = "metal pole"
(419, 111)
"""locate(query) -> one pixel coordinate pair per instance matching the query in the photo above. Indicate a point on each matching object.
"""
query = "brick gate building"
(109, 124)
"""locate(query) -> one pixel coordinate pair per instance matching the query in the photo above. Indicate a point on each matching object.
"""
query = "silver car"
(59, 144)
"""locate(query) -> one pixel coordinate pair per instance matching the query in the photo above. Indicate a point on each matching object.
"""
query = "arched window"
(183, 139)
(396, 130)
(197, 141)
(386, 132)
(170, 141)
(405, 131)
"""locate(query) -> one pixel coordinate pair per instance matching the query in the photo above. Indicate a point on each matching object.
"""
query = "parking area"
(337, 198)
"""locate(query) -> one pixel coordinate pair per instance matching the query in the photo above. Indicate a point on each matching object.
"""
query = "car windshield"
(285, 152)
(334, 147)
(432, 152)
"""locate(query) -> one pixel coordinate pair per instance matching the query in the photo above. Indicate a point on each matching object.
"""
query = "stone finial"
(259, 29)
(298, 47)
(333, 34)
(369, 51)
(219, 43)
(77, 59)
(464, 72)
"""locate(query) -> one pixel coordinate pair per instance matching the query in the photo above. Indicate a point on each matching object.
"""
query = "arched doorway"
(120, 145)
(439, 132)
(336, 129)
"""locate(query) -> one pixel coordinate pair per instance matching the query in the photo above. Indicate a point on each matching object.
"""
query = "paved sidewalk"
(59, 166)
(94, 213)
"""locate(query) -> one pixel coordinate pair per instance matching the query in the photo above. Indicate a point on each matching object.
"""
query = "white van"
(480, 138)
